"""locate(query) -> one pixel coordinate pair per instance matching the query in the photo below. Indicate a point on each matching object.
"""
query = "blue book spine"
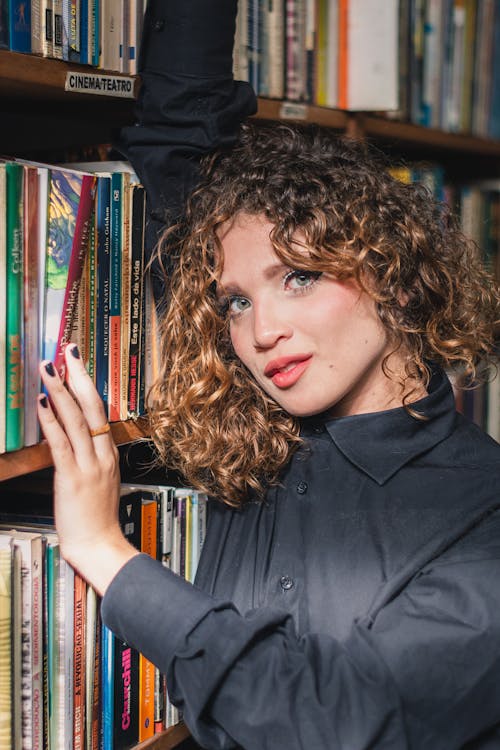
(84, 32)
(95, 28)
(107, 688)
(20, 26)
(103, 220)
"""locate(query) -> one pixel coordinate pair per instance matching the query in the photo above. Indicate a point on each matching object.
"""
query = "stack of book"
(71, 269)
(65, 680)
(102, 33)
(478, 207)
(433, 62)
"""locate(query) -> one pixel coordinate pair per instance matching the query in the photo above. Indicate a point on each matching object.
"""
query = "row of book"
(66, 682)
(102, 33)
(433, 62)
(478, 207)
(71, 269)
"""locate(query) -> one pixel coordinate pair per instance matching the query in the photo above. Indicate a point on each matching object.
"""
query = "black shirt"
(359, 606)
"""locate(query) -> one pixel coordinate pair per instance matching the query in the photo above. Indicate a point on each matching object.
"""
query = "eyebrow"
(233, 288)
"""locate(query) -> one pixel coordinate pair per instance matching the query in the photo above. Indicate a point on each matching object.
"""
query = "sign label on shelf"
(98, 83)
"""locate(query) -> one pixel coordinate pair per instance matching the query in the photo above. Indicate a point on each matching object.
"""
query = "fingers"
(72, 424)
(85, 392)
(60, 447)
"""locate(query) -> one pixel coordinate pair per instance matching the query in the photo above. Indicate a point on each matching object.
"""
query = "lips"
(285, 371)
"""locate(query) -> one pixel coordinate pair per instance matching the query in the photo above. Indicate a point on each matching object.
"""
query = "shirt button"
(318, 429)
(302, 488)
(286, 583)
(159, 25)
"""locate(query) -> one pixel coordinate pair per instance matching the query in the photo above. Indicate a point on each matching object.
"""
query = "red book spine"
(76, 264)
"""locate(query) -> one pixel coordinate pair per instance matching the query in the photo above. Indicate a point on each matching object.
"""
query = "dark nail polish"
(44, 401)
(49, 369)
(74, 351)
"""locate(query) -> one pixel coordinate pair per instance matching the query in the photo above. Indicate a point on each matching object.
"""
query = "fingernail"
(49, 369)
(74, 351)
(44, 401)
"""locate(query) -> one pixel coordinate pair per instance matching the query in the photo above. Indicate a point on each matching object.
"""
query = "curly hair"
(209, 418)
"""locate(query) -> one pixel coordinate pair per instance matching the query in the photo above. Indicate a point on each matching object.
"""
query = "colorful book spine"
(31, 260)
(136, 301)
(126, 659)
(115, 277)
(3, 301)
(14, 316)
(149, 512)
(80, 245)
(103, 226)
(79, 661)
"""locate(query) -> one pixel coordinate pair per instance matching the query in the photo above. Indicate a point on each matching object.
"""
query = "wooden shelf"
(43, 78)
(166, 740)
(380, 128)
(36, 457)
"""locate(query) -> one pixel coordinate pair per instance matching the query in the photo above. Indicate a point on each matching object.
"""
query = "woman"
(347, 594)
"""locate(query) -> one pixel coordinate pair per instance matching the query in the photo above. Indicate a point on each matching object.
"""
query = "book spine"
(3, 298)
(125, 297)
(91, 300)
(115, 298)
(74, 31)
(78, 254)
(4, 24)
(19, 26)
(31, 303)
(58, 32)
(136, 301)
(103, 222)
(107, 688)
(126, 659)
(146, 668)
(14, 317)
(36, 27)
(80, 601)
(84, 32)
(6, 645)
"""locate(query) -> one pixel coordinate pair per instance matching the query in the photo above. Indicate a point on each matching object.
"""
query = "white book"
(6, 560)
(30, 546)
(372, 55)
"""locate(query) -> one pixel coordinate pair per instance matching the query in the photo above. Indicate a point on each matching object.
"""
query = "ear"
(403, 298)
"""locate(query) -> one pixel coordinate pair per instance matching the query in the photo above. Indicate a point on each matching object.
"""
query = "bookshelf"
(40, 116)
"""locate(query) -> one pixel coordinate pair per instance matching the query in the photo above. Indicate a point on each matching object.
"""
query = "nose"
(270, 324)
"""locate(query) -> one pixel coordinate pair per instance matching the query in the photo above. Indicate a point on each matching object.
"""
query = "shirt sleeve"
(188, 103)
(425, 673)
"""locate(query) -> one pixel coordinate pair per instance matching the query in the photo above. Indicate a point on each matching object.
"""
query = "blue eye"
(301, 279)
(238, 305)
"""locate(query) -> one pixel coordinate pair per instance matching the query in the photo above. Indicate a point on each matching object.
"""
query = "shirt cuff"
(153, 609)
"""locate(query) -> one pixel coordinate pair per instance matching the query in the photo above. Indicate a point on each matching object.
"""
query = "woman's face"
(312, 343)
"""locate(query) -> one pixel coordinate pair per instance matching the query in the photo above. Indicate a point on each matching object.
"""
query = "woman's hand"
(87, 477)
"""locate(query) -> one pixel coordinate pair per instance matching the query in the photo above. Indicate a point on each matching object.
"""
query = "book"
(103, 228)
(5, 646)
(31, 307)
(79, 662)
(14, 317)
(368, 55)
(4, 24)
(20, 25)
(30, 548)
(92, 671)
(149, 517)
(3, 302)
(136, 322)
(71, 202)
(126, 659)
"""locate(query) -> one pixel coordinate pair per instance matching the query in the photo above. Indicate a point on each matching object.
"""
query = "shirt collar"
(382, 442)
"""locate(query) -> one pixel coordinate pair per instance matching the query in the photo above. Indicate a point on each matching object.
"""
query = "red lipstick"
(285, 371)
